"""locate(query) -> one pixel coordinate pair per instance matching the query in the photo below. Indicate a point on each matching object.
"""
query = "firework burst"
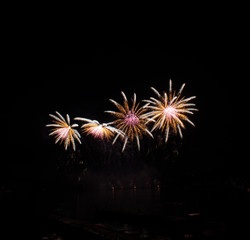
(130, 121)
(63, 131)
(97, 130)
(170, 110)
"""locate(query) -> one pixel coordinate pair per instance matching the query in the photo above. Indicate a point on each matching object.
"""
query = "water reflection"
(138, 212)
(51, 236)
(130, 200)
(156, 209)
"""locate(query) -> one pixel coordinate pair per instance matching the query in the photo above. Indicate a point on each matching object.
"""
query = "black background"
(84, 88)
(45, 76)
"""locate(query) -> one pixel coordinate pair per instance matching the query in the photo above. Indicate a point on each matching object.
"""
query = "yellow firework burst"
(170, 110)
(63, 131)
(130, 121)
(97, 130)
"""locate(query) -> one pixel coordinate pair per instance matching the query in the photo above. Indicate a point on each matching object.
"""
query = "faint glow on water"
(116, 206)
(132, 200)
(51, 236)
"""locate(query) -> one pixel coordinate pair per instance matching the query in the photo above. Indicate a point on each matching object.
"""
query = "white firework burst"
(63, 131)
(169, 111)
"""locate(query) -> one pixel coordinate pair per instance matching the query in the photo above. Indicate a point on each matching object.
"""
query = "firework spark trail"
(63, 131)
(131, 121)
(97, 130)
(169, 110)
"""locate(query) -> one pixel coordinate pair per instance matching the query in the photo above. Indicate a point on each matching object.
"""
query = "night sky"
(83, 88)
(80, 82)
(75, 69)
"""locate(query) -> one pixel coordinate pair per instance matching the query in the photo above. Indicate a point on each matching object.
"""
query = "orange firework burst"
(130, 121)
(170, 110)
(97, 130)
(63, 131)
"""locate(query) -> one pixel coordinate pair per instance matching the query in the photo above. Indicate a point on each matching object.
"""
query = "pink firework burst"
(170, 110)
(63, 131)
(130, 120)
(97, 130)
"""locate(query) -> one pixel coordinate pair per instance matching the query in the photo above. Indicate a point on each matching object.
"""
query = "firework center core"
(63, 132)
(131, 118)
(98, 131)
(170, 111)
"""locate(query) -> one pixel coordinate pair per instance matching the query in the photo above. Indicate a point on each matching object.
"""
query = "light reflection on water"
(87, 204)
(128, 209)
(146, 201)
(195, 202)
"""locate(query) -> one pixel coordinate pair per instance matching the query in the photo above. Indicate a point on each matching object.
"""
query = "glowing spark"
(98, 130)
(131, 121)
(63, 131)
(169, 110)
